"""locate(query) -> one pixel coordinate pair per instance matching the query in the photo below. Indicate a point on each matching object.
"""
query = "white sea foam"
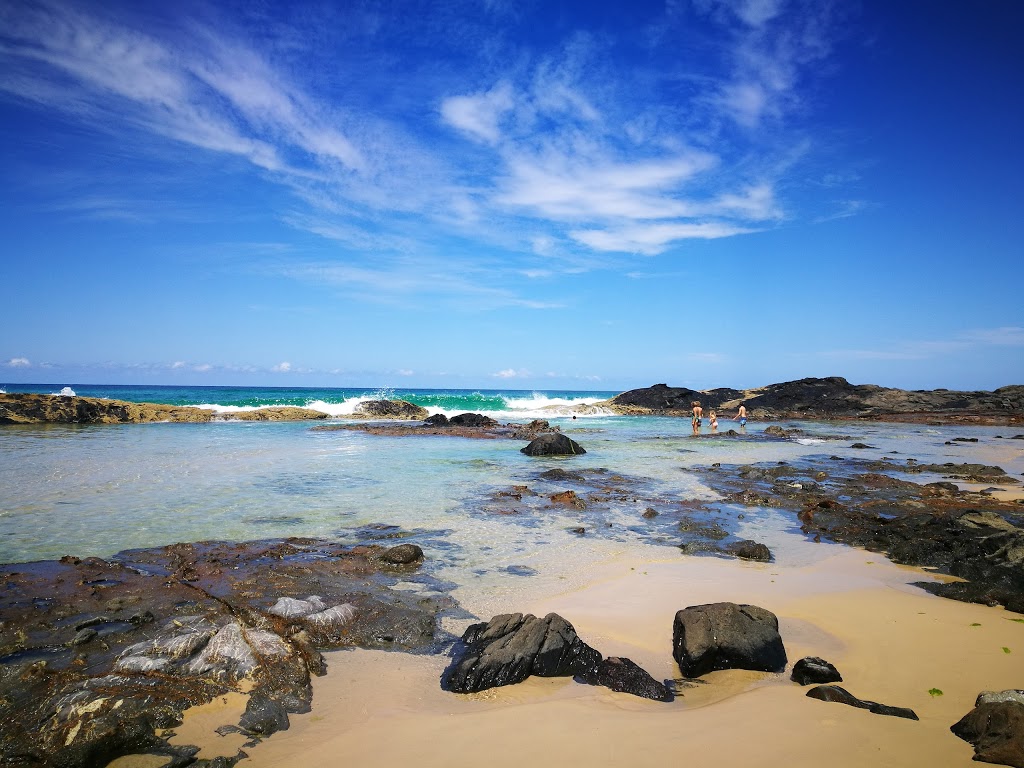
(809, 441)
(3, 391)
(65, 392)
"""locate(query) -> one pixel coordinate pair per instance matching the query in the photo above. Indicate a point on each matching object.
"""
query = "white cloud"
(203, 368)
(654, 238)
(511, 373)
(282, 368)
(19, 362)
(405, 372)
(479, 114)
(178, 364)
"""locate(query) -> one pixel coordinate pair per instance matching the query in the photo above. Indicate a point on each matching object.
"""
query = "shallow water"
(98, 490)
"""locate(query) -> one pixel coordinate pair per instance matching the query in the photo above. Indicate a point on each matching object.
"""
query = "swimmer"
(741, 415)
(697, 413)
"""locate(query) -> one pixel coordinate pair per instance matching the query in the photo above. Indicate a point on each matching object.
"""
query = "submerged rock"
(842, 696)
(727, 636)
(553, 444)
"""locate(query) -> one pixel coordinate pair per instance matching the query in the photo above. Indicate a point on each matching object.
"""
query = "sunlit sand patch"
(892, 642)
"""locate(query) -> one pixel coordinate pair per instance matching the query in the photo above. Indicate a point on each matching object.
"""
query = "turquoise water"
(101, 489)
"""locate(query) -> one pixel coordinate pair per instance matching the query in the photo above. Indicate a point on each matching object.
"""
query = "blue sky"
(512, 194)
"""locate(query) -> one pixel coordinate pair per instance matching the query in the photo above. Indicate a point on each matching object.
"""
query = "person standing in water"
(697, 413)
(741, 415)
(713, 421)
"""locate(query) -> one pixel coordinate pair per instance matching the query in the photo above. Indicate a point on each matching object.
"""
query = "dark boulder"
(437, 420)
(473, 420)
(553, 444)
(390, 409)
(842, 696)
(403, 554)
(995, 727)
(727, 636)
(750, 550)
(812, 670)
(624, 676)
(511, 647)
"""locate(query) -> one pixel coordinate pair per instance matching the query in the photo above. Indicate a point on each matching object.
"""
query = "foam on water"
(65, 392)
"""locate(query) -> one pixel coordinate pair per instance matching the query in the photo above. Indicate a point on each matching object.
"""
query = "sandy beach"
(892, 642)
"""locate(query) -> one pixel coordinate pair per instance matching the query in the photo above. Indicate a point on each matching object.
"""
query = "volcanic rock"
(390, 409)
(842, 696)
(624, 676)
(726, 636)
(750, 550)
(813, 670)
(553, 444)
(511, 647)
(473, 420)
(995, 727)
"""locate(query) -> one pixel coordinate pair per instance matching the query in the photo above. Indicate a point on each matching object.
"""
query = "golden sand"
(892, 642)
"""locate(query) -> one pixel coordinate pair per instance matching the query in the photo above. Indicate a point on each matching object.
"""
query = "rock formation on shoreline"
(71, 409)
(97, 656)
(830, 398)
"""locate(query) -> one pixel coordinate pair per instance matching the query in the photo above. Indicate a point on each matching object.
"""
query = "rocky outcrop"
(995, 728)
(839, 695)
(553, 444)
(61, 409)
(390, 409)
(830, 398)
(718, 636)
(97, 656)
(511, 647)
(970, 535)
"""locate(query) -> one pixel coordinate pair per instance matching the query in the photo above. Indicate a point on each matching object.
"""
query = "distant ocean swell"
(341, 403)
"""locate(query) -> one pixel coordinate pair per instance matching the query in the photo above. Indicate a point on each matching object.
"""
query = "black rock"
(553, 444)
(403, 554)
(437, 420)
(995, 727)
(727, 636)
(264, 716)
(861, 445)
(473, 420)
(813, 670)
(624, 676)
(750, 550)
(842, 696)
(511, 647)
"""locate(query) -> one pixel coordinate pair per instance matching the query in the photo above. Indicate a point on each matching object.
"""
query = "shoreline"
(891, 641)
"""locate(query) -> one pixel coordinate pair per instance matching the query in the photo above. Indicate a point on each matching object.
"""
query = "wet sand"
(892, 642)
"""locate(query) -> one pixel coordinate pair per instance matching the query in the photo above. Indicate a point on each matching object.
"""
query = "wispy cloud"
(556, 153)
(512, 373)
(1006, 336)
(19, 362)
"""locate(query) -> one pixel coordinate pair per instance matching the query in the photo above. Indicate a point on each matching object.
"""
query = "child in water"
(714, 422)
